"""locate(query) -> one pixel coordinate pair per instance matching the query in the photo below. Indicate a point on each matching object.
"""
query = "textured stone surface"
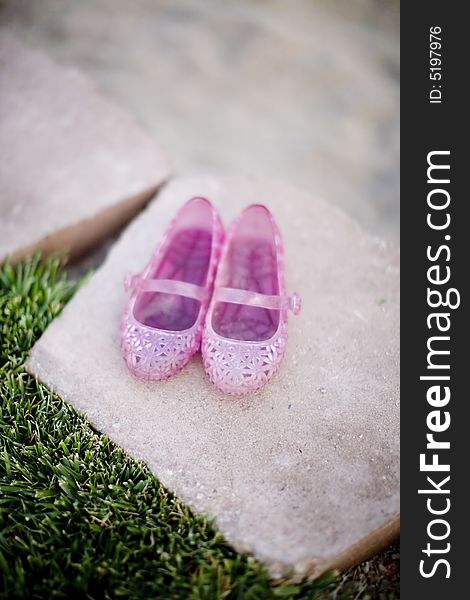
(305, 472)
(307, 90)
(73, 167)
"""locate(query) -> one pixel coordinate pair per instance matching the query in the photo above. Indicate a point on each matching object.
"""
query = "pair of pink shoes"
(241, 317)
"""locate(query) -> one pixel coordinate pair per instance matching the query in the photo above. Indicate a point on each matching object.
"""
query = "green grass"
(80, 519)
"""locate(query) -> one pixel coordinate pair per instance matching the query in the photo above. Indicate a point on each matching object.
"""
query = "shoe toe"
(240, 368)
(153, 354)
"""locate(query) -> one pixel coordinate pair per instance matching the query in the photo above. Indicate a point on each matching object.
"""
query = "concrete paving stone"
(305, 473)
(307, 90)
(73, 167)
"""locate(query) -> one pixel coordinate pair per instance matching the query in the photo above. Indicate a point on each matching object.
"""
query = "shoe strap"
(238, 296)
(165, 286)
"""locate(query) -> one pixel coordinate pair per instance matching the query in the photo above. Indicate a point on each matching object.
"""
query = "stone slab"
(73, 166)
(305, 473)
(308, 90)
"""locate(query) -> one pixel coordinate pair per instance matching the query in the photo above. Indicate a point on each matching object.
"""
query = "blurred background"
(306, 90)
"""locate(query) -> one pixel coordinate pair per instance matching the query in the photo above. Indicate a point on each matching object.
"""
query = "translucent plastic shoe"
(245, 335)
(162, 323)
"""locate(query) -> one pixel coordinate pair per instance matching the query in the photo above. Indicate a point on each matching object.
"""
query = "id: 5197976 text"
(435, 64)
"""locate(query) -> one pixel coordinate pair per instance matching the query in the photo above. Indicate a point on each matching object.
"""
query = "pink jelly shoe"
(162, 323)
(245, 334)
